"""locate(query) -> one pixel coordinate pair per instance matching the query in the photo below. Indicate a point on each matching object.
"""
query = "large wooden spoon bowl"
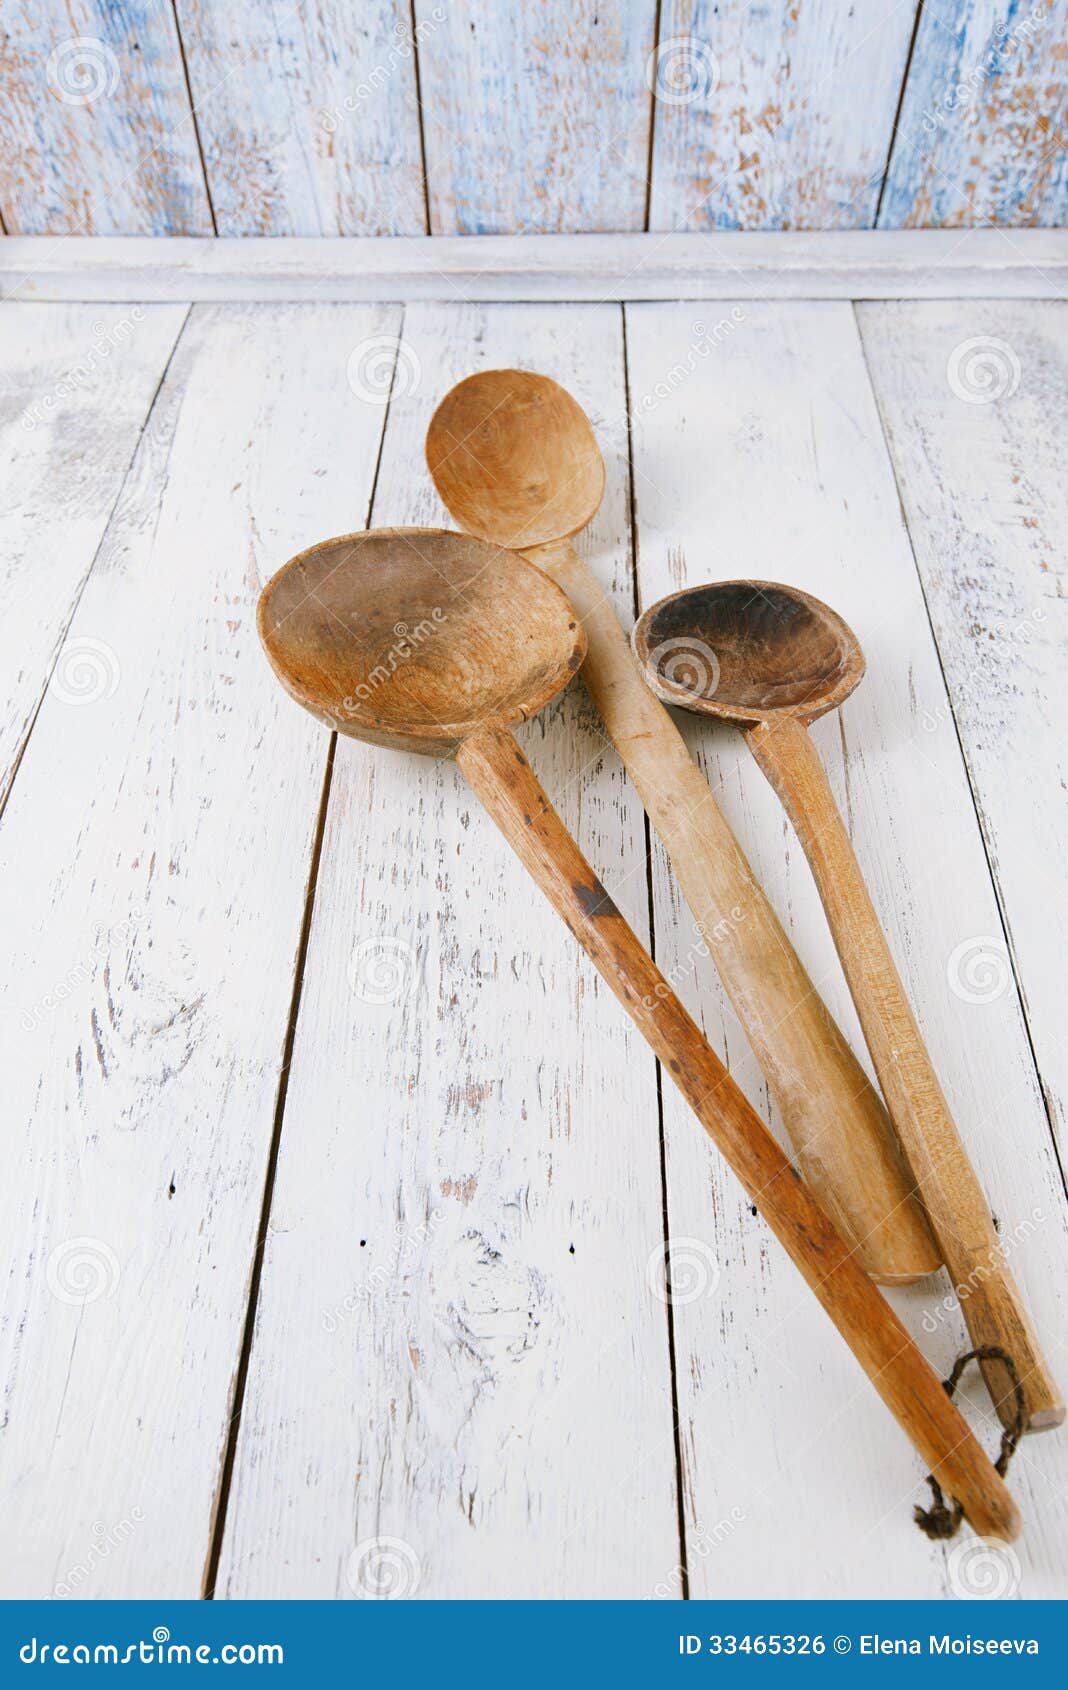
(413, 637)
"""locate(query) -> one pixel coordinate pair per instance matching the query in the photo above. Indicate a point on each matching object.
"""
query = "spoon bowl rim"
(472, 380)
(840, 686)
(433, 737)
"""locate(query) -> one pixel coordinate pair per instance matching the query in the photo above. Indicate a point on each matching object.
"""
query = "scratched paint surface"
(536, 117)
(96, 134)
(984, 121)
(331, 119)
(307, 116)
(777, 117)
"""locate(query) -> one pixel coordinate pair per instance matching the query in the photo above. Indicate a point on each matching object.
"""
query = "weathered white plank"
(758, 452)
(153, 860)
(984, 121)
(851, 264)
(975, 400)
(96, 132)
(460, 1379)
(776, 116)
(76, 385)
(307, 115)
(535, 117)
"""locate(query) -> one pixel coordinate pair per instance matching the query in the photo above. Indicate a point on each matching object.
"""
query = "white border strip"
(852, 264)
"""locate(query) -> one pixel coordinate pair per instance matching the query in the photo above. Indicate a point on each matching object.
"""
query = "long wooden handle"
(951, 1191)
(499, 773)
(836, 1121)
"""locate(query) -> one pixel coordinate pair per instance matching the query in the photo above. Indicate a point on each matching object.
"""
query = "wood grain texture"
(984, 493)
(154, 856)
(500, 775)
(763, 456)
(775, 117)
(984, 121)
(307, 115)
(851, 264)
(76, 384)
(536, 117)
(460, 1343)
(96, 132)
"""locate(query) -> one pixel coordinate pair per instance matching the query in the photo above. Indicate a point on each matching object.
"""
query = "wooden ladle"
(496, 640)
(773, 659)
(515, 460)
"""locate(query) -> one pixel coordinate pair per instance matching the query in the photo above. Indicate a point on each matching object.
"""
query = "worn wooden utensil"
(515, 460)
(773, 659)
(504, 640)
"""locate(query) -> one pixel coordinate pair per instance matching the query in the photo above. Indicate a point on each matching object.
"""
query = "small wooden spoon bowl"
(748, 651)
(414, 637)
(514, 458)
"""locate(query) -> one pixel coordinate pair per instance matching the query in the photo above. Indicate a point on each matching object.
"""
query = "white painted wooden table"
(336, 1183)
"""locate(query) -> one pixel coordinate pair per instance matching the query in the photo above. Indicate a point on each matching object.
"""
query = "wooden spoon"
(515, 460)
(774, 659)
(489, 640)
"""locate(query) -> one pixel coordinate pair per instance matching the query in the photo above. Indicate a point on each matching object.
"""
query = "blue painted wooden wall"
(309, 117)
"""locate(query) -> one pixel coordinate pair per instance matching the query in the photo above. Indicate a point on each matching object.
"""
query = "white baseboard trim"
(853, 264)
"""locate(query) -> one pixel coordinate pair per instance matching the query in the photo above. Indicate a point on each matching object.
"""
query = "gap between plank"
(897, 113)
(419, 115)
(648, 174)
(222, 1502)
(666, 1222)
(76, 601)
(193, 116)
(976, 805)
